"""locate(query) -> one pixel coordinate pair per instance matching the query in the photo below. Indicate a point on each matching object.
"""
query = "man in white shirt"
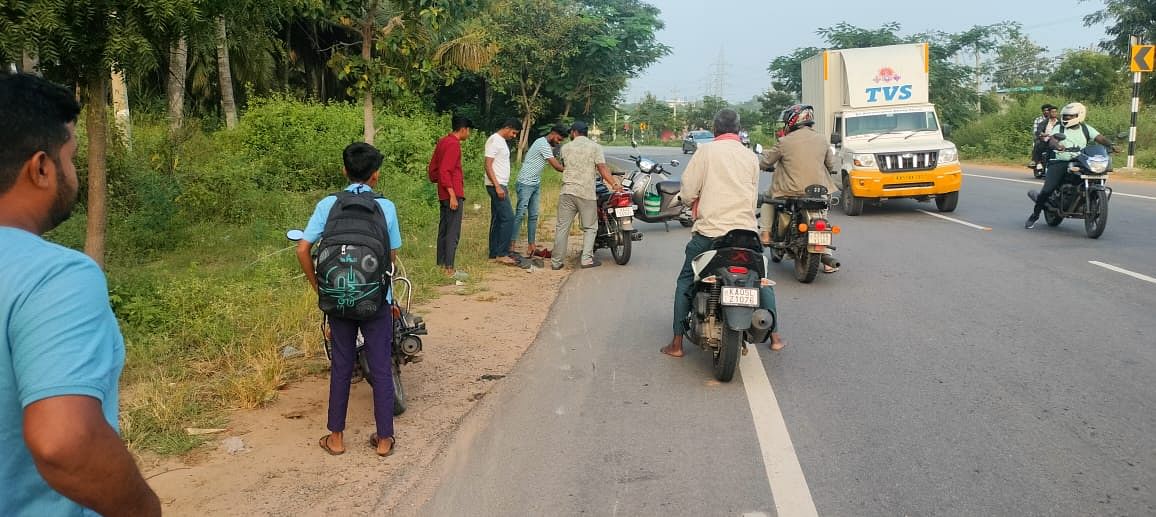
(497, 181)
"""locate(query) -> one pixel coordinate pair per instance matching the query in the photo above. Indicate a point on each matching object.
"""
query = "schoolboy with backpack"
(359, 237)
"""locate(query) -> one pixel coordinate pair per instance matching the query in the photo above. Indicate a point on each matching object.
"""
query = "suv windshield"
(891, 123)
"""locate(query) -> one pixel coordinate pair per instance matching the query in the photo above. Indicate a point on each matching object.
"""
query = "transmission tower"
(718, 77)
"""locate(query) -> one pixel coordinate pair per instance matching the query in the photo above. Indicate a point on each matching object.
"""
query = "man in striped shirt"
(529, 183)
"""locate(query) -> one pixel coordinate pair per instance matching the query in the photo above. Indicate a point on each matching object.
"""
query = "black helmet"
(798, 116)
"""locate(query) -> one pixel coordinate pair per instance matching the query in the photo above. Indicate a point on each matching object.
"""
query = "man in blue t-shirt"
(61, 352)
(529, 184)
(362, 163)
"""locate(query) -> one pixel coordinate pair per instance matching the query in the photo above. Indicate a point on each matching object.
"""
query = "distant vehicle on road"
(694, 138)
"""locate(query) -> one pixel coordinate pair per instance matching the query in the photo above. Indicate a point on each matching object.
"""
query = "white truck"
(873, 102)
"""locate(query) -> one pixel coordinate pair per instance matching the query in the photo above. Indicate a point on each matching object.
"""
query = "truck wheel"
(727, 359)
(851, 205)
(947, 202)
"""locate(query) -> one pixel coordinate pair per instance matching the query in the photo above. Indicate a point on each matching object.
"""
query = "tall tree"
(536, 41)
(175, 80)
(225, 75)
(1090, 76)
(1126, 18)
(1019, 61)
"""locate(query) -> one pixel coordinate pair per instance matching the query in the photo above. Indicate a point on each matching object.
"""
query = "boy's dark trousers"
(378, 335)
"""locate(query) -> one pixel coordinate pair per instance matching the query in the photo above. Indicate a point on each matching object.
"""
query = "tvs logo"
(888, 75)
(889, 93)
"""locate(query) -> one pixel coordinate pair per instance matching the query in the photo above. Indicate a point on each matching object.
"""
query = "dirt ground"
(475, 338)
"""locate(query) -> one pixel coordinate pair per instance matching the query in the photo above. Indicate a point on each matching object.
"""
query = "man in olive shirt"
(722, 182)
(584, 161)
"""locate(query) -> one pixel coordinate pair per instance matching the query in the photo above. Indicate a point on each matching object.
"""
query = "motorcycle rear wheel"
(727, 358)
(619, 243)
(807, 267)
(1096, 214)
(1053, 218)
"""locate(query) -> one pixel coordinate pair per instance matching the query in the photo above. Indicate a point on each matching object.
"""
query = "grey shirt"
(582, 157)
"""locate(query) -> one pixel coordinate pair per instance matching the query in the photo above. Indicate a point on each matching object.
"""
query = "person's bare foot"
(765, 238)
(674, 349)
(777, 342)
(505, 260)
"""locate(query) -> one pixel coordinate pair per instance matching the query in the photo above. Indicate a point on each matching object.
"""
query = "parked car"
(694, 138)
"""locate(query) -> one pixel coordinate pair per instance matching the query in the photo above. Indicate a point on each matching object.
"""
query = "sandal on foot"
(374, 440)
(324, 443)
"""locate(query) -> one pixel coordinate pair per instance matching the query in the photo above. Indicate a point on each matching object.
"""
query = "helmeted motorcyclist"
(801, 157)
(721, 183)
(1077, 135)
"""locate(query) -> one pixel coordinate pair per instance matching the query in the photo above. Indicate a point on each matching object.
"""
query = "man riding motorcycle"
(1041, 128)
(721, 182)
(1077, 135)
(801, 157)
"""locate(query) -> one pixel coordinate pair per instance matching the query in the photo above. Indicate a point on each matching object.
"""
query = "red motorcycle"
(615, 223)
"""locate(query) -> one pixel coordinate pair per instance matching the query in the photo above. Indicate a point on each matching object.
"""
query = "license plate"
(626, 211)
(909, 177)
(819, 238)
(627, 183)
(740, 296)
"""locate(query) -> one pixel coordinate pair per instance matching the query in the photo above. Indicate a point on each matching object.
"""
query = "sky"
(748, 34)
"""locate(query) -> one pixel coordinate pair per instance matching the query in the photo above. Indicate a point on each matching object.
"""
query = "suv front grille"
(903, 162)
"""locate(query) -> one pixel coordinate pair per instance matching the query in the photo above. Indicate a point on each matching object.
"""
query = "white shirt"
(497, 149)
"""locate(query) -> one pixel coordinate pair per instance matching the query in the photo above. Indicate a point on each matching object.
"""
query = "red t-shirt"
(446, 166)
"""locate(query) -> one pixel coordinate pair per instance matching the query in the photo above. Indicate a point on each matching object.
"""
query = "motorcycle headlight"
(949, 155)
(864, 160)
(1098, 164)
(646, 165)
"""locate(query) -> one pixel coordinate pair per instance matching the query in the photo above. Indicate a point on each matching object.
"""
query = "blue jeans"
(501, 223)
(528, 205)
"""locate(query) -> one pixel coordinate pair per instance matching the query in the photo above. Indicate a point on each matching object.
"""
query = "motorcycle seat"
(669, 187)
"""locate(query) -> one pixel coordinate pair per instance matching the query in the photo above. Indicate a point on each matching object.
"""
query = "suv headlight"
(949, 155)
(864, 160)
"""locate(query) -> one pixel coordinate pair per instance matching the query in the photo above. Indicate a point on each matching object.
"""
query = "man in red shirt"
(445, 169)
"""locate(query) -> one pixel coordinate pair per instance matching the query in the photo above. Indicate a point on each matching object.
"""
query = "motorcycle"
(654, 193)
(725, 312)
(405, 348)
(806, 234)
(1084, 193)
(615, 223)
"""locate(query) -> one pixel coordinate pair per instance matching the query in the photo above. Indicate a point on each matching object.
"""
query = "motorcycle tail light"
(821, 225)
(620, 201)
(738, 270)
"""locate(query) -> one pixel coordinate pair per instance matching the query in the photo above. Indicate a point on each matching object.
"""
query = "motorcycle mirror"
(674, 163)
(294, 235)
(758, 148)
(1122, 135)
(633, 143)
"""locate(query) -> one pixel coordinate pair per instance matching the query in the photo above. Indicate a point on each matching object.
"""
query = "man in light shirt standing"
(530, 183)
(584, 161)
(497, 182)
(722, 182)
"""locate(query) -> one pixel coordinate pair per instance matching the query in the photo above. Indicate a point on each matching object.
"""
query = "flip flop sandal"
(324, 443)
(374, 440)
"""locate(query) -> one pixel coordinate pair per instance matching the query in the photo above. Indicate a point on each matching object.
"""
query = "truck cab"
(886, 135)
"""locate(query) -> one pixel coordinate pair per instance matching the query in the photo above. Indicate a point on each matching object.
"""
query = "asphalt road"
(945, 370)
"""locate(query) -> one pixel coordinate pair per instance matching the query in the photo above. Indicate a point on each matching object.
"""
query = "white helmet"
(1073, 114)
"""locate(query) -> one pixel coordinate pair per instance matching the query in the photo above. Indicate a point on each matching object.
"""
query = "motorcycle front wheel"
(727, 358)
(1096, 214)
(807, 267)
(398, 390)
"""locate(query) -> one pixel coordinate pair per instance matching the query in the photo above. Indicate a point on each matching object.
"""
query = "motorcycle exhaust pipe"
(762, 323)
(829, 260)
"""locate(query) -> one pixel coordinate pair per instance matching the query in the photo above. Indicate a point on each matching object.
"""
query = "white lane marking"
(788, 485)
(957, 221)
(1132, 274)
(1114, 193)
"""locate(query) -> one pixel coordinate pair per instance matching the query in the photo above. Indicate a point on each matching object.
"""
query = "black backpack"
(353, 262)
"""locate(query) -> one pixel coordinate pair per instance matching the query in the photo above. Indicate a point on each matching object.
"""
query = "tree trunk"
(175, 86)
(487, 98)
(225, 75)
(524, 134)
(96, 121)
(120, 107)
(566, 112)
(30, 64)
(367, 31)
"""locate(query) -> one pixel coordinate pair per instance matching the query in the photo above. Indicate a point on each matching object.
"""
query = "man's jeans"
(501, 223)
(528, 205)
(569, 206)
(683, 291)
